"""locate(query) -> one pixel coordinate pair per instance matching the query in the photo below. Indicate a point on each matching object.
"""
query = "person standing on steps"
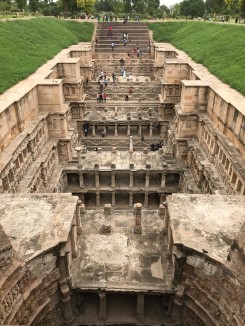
(114, 78)
(112, 46)
(105, 97)
(126, 98)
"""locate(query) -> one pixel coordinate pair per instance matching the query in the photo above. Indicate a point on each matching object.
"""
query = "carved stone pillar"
(78, 217)
(130, 199)
(113, 198)
(74, 248)
(178, 303)
(140, 130)
(162, 211)
(79, 156)
(113, 180)
(140, 307)
(93, 130)
(147, 180)
(97, 180)
(131, 144)
(131, 180)
(146, 201)
(63, 262)
(150, 130)
(163, 180)
(66, 302)
(128, 130)
(178, 261)
(102, 312)
(116, 130)
(97, 199)
(81, 181)
(137, 214)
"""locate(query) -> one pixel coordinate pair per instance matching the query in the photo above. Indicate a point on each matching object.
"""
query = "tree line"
(143, 8)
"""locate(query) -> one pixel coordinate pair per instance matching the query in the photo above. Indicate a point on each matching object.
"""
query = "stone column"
(74, 248)
(130, 199)
(79, 156)
(113, 179)
(146, 202)
(147, 179)
(113, 198)
(66, 302)
(63, 263)
(102, 312)
(137, 214)
(163, 180)
(178, 261)
(131, 179)
(65, 179)
(106, 227)
(116, 131)
(140, 307)
(150, 131)
(97, 180)
(78, 217)
(81, 179)
(178, 303)
(162, 212)
(140, 130)
(93, 130)
(128, 130)
(131, 144)
(97, 198)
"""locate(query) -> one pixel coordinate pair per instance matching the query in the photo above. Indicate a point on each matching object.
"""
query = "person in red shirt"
(105, 97)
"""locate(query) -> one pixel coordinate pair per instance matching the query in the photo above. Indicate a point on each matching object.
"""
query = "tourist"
(124, 42)
(130, 78)
(110, 30)
(142, 138)
(122, 62)
(112, 46)
(114, 78)
(130, 91)
(105, 97)
(124, 74)
(126, 97)
(101, 87)
(98, 97)
(101, 98)
(103, 134)
(105, 83)
(122, 71)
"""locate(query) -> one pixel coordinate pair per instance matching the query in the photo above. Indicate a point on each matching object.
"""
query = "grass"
(28, 44)
(219, 47)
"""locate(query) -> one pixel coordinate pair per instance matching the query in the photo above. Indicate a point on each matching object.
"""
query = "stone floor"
(122, 260)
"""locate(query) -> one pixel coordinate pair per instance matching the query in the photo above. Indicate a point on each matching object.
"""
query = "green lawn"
(27, 44)
(219, 47)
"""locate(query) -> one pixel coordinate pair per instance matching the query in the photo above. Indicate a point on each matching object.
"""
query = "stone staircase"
(138, 33)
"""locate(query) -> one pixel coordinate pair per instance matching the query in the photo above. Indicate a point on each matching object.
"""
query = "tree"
(193, 8)
(127, 7)
(5, 5)
(152, 6)
(175, 10)
(213, 6)
(242, 7)
(21, 4)
(86, 5)
(33, 5)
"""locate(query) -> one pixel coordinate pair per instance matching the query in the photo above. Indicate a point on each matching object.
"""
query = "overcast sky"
(169, 3)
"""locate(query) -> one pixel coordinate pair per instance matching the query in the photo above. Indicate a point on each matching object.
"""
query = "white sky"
(169, 3)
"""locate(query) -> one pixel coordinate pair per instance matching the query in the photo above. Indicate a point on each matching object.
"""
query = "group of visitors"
(103, 82)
